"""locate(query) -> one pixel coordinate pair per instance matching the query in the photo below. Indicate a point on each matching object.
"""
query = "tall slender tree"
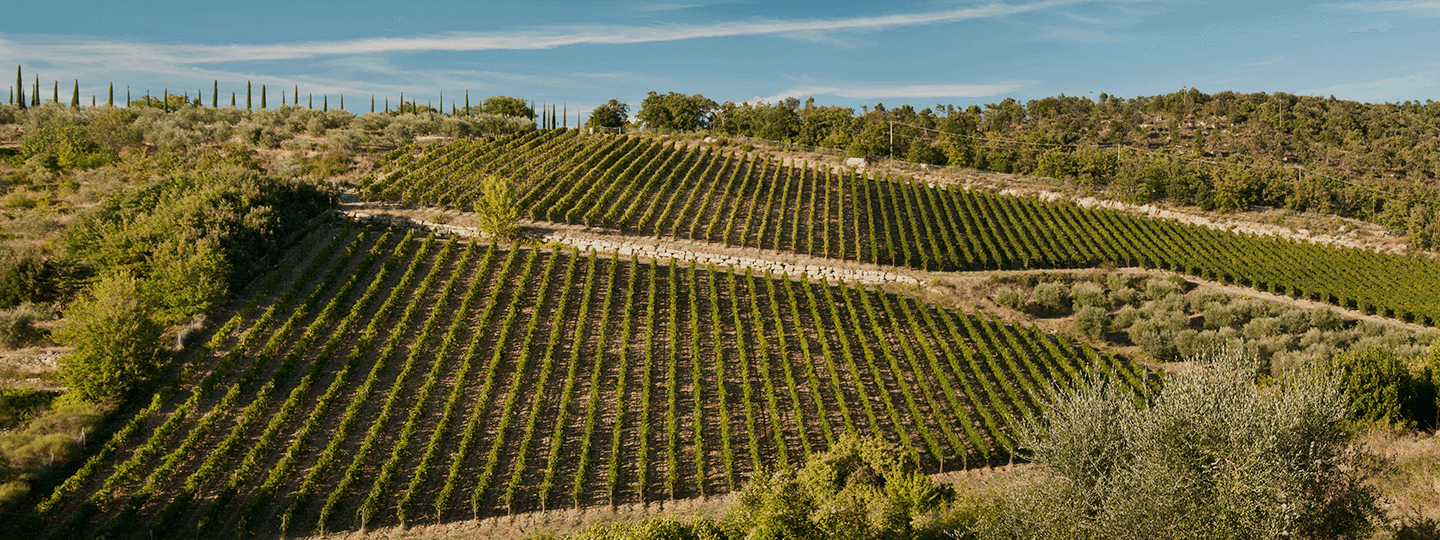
(232, 98)
(442, 102)
(387, 104)
(262, 96)
(467, 103)
(372, 103)
(247, 95)
(75, 96)
(565, 115)
(342, 101)
(111, 99)
(35, 94)
(55, 98)
(165, 100)
(127, 96)
(312, 101)
(295, 96)
(19, 88)
(325, 103)
(215, 94)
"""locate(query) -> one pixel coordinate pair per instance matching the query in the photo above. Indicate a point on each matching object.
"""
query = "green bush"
(24, 277)
(1156, 288)
(1216, 456)
(495, 209)
(1125, 296)
(1051, 297)
(1089, 294)
(115, 340)
(1091, 321)
(17, 325)
(1382, 388)
(1009, 297)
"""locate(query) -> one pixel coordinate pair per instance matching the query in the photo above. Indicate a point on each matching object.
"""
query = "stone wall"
(656, 251)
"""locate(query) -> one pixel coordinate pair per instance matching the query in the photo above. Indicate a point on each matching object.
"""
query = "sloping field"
(379, 378)
(646, 185)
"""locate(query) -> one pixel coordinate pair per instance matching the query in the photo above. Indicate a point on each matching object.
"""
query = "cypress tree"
(75, 96)
(262, 96)
(19, 88)
(165, 100)
(127, 96)
(282, 98)
(342, 101)
(35, 95)
(372, 103)
(467, 103)
(232, 98)
(215, 94)
(402, 102)
(296, 95)
(442, 102)
(55, 98)
(565, 115)
(92, 100)
(325, 103)
(247, 95)
(312, 101)
(387, 104)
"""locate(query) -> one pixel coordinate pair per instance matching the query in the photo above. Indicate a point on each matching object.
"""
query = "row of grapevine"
(511, 377)
(747, 200)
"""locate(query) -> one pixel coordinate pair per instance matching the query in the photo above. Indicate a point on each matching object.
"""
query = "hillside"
(378, 379)
(653, 187)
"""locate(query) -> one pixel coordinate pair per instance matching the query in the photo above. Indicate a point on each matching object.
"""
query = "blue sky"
(843, 53)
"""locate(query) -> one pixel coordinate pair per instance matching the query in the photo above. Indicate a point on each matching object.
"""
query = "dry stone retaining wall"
(657, 252)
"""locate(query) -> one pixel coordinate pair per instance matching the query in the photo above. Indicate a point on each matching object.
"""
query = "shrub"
(1089, 294)
(1263, 328)
(1051, 297)
(860, 488)
(1009, 297)
(1125, 296)
(115, 340)
(1156, 288)
(1325, 319)
(1216, 456)
(1091, 321)
(23, 277)
(1381, 387)
(17, 325)
(495, 210)
(1218, 316)
(1124, 318)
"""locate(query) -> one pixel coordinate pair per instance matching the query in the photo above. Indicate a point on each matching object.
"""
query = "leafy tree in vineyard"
(495, 209)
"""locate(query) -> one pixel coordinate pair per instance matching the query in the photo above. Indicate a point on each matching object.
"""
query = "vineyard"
(653, 187)
(382, 378)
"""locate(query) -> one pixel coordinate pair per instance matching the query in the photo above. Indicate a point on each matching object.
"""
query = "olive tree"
(1216, 455)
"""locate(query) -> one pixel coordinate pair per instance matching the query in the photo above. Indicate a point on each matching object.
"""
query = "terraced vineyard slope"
(642, 184)
(382, 378)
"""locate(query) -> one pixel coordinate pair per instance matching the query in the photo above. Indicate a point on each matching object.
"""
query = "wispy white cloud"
(897, 91)
(1418, 7)
(103, 51)
(1413, 86)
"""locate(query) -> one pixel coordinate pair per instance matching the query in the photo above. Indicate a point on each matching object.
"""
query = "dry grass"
(1410, 480)
(523, 525)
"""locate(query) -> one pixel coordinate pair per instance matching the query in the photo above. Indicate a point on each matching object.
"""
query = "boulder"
(856, 162)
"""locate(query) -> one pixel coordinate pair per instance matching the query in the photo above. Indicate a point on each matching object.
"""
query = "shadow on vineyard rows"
(382, 378)
(654, 187)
